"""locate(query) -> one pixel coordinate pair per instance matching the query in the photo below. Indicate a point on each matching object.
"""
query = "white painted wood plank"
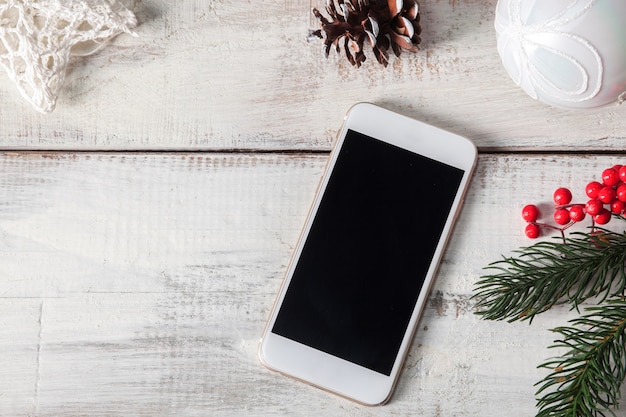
(19, 349)
(139, 285)
(225, 75)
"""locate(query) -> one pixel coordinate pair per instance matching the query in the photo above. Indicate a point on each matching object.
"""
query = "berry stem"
(566, 206)
(561, 229)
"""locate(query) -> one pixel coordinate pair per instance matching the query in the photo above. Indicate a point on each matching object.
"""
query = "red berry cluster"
(606, 198)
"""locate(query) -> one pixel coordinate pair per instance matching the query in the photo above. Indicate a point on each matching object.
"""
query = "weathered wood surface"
(221, 75)
(136, 281)
(139, 284)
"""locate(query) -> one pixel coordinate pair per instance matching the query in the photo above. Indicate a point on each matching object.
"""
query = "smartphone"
(362, 270)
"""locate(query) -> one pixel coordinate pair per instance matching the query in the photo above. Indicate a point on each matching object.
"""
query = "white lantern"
(566, 53)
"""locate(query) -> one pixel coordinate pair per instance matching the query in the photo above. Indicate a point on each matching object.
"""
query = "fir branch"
(581, 266)
(586, 381)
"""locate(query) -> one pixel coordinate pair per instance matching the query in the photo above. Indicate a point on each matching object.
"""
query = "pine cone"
(382, 23)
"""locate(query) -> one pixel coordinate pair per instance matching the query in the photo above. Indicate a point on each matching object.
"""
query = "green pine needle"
(582, 266)
(586, 381)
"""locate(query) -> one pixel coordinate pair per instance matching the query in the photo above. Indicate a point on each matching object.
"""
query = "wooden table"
(146, 224)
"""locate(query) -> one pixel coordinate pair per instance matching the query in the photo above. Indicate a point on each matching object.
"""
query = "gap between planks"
(251, 151)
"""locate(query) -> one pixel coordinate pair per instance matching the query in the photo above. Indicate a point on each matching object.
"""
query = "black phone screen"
(366, 256)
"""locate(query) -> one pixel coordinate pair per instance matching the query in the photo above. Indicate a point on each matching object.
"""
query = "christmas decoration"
(380, 23)
(37, 38)
(605, 198)
(566, 53)
(582, 267)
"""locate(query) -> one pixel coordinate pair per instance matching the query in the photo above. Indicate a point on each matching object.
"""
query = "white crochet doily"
(37, 38)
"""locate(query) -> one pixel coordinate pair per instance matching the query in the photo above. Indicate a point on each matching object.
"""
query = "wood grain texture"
(220, 75)
(139, 284)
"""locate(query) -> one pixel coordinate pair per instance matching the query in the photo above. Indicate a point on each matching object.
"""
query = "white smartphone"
(362, 270)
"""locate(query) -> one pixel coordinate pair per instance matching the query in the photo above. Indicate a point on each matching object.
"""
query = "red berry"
(610, 177)
(621, 192)
(607, 195)
(530, 213)
(532, 230)
(561, 216)
(577, 213)
(617, 207)
(562, 196)
(617, 167)
(592, 189)
(622, 173)
(593, 207)
(603, 217)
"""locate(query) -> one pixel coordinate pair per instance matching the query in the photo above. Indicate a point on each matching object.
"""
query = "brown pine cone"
(381, 23)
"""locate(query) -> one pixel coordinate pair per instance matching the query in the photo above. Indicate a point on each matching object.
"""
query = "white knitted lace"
(37, 38)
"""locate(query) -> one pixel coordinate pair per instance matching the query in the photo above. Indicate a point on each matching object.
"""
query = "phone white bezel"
(319, 368)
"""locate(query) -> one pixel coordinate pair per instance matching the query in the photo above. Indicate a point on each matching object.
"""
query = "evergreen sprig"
(586, 381)
(580, 267)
